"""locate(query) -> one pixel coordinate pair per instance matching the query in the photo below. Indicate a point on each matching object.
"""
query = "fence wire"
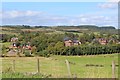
(58, 69)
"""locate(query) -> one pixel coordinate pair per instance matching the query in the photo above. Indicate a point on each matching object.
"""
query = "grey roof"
(75, 40)
(66, 39)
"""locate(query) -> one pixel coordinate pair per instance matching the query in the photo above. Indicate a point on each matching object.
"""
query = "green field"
(55, 66)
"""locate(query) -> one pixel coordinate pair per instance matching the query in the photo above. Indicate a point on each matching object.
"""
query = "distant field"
(56, 66)
(51, 30)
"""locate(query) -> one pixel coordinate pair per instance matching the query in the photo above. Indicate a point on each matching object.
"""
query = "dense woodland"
(46, 41)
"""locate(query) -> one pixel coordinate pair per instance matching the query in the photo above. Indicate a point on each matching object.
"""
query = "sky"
(60, 13)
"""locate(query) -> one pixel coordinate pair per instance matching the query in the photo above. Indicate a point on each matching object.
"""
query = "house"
(76, 42)
(118, 43)
(103, 41)
(28, 47)
(113, 41)
(69, 42)
(14, 39)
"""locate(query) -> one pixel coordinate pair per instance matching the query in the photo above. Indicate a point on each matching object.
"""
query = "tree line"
(47, 44)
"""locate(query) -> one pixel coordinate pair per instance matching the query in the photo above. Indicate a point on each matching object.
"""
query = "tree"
(51, 48)
(33, 50)
(5, 38)
(95, 42)
(59, 47)
(18, 44)
(91, 37)
(4, 50)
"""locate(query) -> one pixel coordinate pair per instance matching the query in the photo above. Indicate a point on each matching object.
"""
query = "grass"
(56, 66)
(7, 44)
(22, 75)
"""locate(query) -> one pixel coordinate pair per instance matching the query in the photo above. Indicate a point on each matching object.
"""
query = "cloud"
(15, 13)
(31, 17)
(113, 0)
(0, 17)
(97, 20)
(41, 18)
(0, 14)
(108, 5)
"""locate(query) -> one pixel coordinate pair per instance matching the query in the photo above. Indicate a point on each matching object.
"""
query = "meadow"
(92, 66)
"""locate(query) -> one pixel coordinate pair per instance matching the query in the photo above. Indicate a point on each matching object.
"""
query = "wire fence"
(60, 69)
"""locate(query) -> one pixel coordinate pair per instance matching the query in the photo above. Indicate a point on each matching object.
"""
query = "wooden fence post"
(113, 69)
(38, 66)
(68, 67)
(13, 66)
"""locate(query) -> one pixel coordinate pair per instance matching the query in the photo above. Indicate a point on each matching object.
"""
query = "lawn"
(97, 66)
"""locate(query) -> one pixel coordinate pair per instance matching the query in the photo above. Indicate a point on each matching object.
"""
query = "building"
(69, 42)
(14, 39)
(76, 42)
(103, 41)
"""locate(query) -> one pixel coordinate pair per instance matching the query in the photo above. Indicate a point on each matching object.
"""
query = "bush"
(43, 53)
(27, 53)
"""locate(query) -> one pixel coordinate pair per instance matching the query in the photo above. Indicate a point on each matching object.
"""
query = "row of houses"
(67, 42)
(24, 46)
(102, 41)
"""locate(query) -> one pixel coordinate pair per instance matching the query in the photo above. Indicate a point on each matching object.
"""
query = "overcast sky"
(60, 13)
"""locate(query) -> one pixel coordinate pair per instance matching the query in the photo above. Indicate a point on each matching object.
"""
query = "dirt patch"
(94, 65)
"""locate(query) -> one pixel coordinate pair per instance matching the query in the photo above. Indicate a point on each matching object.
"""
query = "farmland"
(90, 59)
(92, 66)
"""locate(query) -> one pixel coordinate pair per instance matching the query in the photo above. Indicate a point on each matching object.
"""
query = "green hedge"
(89, 50)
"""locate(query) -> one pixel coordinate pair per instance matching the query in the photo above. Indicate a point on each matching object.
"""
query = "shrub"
(28, 53)
(43, 53)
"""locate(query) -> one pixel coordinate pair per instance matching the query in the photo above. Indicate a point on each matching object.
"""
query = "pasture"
(92, 66)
